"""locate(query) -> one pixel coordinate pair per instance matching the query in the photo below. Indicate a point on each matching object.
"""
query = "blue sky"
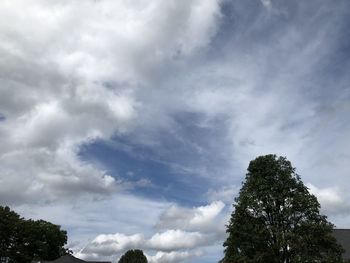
(131, 123)
(178, 167)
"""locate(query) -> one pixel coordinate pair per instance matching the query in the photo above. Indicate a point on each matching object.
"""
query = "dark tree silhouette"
(276, 219)
(133, 256)
(24, 240)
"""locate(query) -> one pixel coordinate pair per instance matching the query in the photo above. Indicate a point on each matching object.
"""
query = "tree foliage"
(133, 256)
(277, 220)
(24, 240)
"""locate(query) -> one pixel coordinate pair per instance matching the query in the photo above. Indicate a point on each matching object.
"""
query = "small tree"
(133, 256)
(277, 220)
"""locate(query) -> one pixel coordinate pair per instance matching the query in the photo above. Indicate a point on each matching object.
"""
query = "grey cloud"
(331, 200)
(226, 193)
(52, 83)
(170, 242)
(174, 256)
(203, 218)
(107, 245)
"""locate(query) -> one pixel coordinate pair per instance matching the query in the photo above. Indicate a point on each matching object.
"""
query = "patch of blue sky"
(181, 167)
(2, 117)
(165, 183)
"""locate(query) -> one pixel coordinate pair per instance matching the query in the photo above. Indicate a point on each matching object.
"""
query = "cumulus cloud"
(170, 245)
(331, 200)
(165, 243)
(172, 257)
(106, 245)
(50, 176)
(72, 80)
(226, 193)
(198, 218)
(177, 239)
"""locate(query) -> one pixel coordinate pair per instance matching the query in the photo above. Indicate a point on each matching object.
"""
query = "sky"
(131, 123)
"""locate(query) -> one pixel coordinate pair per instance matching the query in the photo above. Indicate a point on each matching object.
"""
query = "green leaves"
(133, 256)
(24, 240)
(276, 219)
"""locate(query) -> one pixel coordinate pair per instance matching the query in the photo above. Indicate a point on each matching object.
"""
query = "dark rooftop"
(70, 259)
(343, 237)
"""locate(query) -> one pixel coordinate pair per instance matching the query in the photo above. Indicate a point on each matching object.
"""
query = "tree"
(24, 240)
(8, 228)
(277, 220)
(133, 256)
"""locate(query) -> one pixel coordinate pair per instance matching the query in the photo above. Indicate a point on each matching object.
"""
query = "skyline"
(131, 123)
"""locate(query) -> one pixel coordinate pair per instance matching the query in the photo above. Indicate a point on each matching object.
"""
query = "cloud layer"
(130, 110)
(186, 230)
(71, 80)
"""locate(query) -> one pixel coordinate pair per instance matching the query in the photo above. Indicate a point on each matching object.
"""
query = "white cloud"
(226, 193)
(331, 199)
(267, 3)
(177, 239)
(206, 214)
(169, 245)
(173, 257)
(69, 73)
(107, 245)
(49, 176)
(198, 218)
(171, 240)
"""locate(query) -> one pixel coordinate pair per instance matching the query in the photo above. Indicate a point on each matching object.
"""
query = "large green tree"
(23, 240)
(277, 220)
(133, 256)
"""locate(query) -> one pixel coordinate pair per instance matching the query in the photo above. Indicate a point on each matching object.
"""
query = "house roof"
(343, 237)
(71, 259)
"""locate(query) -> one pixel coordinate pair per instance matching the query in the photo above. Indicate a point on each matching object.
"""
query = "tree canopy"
(23, 240)
(277, 220)
(133, 256)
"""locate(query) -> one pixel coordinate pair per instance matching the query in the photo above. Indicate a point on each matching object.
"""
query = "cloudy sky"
(131, 123)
